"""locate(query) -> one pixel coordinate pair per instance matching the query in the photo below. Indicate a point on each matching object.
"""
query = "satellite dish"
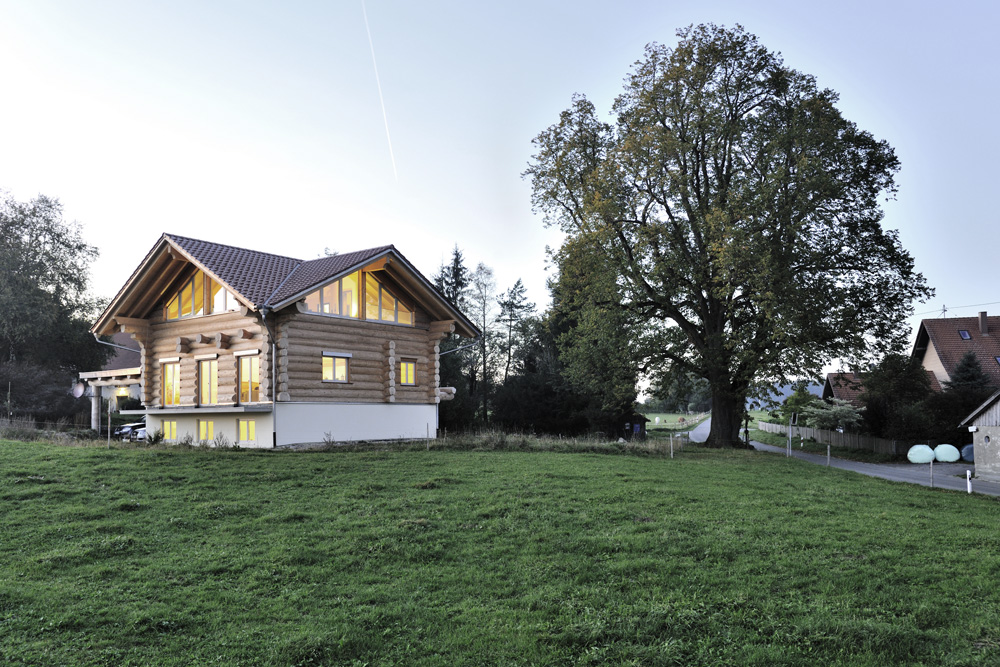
(78, 389)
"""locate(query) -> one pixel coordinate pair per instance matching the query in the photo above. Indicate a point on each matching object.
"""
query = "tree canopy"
(739, 212)
(45, 308)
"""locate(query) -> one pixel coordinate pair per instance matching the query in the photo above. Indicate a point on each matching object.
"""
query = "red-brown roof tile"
(945, 335)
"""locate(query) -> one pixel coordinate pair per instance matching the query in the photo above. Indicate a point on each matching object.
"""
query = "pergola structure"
(97, 380)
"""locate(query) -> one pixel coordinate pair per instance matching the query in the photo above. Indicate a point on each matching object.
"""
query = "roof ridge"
(234, 247)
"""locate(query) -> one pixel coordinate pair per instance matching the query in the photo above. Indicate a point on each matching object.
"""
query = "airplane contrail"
(379, 84)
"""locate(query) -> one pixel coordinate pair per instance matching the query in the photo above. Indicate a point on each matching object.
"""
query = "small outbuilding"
(984, 423)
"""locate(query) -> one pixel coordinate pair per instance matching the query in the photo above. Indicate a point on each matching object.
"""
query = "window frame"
(251, 428)
(202, 424)
(253, 387)
(336, 356)
(213, 388)
(168, 427)
(171, 369)
(411, 364)
(185, 298)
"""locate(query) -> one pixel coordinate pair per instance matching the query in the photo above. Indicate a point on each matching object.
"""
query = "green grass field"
(672, 421)
(501, 557)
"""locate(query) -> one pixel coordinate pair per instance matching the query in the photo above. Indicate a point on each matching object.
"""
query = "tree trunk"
(727, 419)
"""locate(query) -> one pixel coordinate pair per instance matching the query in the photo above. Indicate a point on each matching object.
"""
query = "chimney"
(984, 328)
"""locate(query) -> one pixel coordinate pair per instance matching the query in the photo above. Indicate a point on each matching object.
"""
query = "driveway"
(946, 475)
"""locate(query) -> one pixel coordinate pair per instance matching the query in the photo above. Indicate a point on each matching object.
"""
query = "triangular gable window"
(200, 295)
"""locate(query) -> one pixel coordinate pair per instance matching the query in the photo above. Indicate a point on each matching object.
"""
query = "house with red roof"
(250, 348)
(845, 387)
(941, 344)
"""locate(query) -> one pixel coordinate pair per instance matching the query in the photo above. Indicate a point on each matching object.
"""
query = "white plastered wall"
(345, 422)
(224, 424)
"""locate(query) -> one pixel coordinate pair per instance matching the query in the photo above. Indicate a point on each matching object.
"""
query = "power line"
(945, 309)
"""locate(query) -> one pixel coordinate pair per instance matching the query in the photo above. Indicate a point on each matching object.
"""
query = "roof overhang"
(410, 279)
(157, 272)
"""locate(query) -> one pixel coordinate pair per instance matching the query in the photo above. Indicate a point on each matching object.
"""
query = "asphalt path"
(946, 475)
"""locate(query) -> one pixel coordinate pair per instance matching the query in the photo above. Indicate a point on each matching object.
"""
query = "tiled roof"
(945, 334)
(263, 278)
(845, 387)
(319, 270)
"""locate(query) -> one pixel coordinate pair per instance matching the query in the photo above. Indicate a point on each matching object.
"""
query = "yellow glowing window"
(200, 295)
(171, 390)
(337, 298)
(335, 368)
(169, 428)
(206, 430)
(249, 379)
(382, 305)
(247, 430)
(208, 382)
(408, 372)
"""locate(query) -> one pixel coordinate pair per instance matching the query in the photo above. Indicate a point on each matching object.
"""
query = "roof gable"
(946, 336)
(262, 280)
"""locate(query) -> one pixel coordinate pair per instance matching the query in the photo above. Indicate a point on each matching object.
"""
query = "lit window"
(246, 430)
(380, 304)
(249, 379)
(335, 368)
(169, 428)
(208, 382)
(171, 385)
(964, 334)
(206, 430)
(337, 298)
(200, 295)
(408, 372)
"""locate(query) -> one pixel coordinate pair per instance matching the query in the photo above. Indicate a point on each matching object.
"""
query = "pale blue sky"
(259, 124)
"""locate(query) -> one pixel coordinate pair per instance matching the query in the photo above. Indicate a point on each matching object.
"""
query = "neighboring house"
(941, 344)
(984, 423)
(850, 387)
(265, 350)
(845, 387)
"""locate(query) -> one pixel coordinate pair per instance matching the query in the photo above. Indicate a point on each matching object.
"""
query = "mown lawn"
(443, 557)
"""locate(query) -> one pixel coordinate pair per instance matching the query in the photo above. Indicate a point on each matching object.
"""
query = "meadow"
(484, 552)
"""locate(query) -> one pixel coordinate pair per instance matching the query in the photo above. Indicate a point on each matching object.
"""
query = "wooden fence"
(837, 439)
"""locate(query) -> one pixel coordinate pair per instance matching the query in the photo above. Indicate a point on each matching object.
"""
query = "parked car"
(127, 431)
(139, 434)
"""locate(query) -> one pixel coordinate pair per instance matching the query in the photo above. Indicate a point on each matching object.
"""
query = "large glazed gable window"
(200, 295)
(343, 297)
(338, 298)
(382, 305)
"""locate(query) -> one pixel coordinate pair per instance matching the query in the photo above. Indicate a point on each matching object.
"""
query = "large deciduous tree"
(45, 308)
(740, 213)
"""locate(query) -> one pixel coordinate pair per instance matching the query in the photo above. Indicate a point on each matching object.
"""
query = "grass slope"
(412, 557)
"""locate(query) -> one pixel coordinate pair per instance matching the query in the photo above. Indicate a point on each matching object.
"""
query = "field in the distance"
(413, 557)
(673, 421)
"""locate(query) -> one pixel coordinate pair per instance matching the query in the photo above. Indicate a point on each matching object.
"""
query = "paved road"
(946, 475)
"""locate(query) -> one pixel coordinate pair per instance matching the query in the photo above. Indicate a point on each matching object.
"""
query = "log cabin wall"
(376, 350)
(223, 334)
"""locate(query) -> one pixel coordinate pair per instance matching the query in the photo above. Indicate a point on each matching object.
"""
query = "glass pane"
(331, 298)
(252, 430)
(405, 314)
(327, 368)
(231, 302)
(243, 430)
(371, 297)
(313, 301)
(388, 306)
(216, 296)
(171, 384)
(350, 289)
(186, 300)
(340, 372)
(199, 293)
(255, 378)
(173, 308)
